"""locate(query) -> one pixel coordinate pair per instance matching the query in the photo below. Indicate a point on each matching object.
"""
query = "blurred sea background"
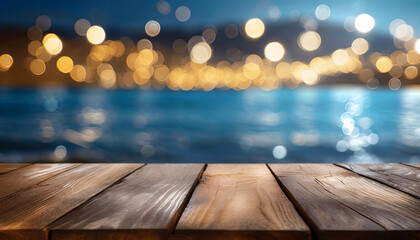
(339, 124)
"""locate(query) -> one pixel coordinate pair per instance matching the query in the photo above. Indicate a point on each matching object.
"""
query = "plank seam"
(25, 165)
(299, 209)
(371, 178)
(46, 228)
(409, 165)
(187, 200)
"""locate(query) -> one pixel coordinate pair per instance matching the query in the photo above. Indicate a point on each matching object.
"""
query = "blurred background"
(209, 81)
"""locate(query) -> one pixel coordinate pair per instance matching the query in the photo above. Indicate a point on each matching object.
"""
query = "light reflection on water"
(303, 125)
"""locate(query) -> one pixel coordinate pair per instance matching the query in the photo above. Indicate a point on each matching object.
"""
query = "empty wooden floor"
(214, 201)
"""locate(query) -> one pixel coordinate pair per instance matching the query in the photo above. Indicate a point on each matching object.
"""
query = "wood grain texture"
(402, 177)
(144, 205)
(240, 201)
(340, 204)
(29, 211)
(8, 167)
(28, 176)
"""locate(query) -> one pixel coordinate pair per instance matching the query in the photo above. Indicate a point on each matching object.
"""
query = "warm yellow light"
(364, 23)
(52, 44)
(251, 70)
(95, 35)
(411, 72)
(274, 51)
(254, 28)
(37, 66)
(6, 61)
(152, 28)
(309, 77)
(404, 32)
(360, 46)
(65, 64)
(78, 73)
(340, 57)
(309, 41)
(200, 53)
(417, 46)
(161, 73)
(383, 64)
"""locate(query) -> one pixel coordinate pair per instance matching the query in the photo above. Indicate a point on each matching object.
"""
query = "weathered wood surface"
(30, 175)
(24, 214)
(241, 201)
(8, 167)
(144, 205)
(399, 176)
(340, 204)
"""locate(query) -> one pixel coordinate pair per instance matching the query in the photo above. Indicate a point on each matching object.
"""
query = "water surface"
(303, 125)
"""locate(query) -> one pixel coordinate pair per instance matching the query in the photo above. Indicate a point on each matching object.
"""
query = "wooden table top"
(209, 201)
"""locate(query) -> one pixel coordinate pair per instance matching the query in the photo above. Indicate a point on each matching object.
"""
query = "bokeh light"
(254, 28)
(152, 28)
(274, 51)
(411, 72)
(65, 64)
(182, 13)
(37, 66)
(201, 52)
(383, 64)
(417, 46)
(322, 12)
(364, 23)
(43, 22)
(360, 46)
(78, 73)
(6, 61)
(82, 26)
(52, 44)
(163, 7)
(309, 41)
(95, 35)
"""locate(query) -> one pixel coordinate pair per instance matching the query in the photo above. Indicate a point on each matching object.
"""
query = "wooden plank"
(240, 201)
(8, 167)
(144, 205)
(26, 177)
(24, 214)
(399, 176)
(340, 204)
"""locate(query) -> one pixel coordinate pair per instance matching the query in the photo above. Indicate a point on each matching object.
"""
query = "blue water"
(303, 125)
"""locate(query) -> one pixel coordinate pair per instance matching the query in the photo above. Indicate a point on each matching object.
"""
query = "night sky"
(131, 15)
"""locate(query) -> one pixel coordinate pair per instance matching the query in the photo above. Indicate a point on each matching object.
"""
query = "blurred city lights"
(182, 13)
(254, 28)
(6, 61)
(417, 46)
(274, 51)
(52, 44)
(364, 23)
(163, 7)
(201, 52)
(82, 26)
(152, 28)
(95, 35)
(322, 12)
(383, 64)
(309, 41)
(37, 66)
(65, 64)
(360, 46)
